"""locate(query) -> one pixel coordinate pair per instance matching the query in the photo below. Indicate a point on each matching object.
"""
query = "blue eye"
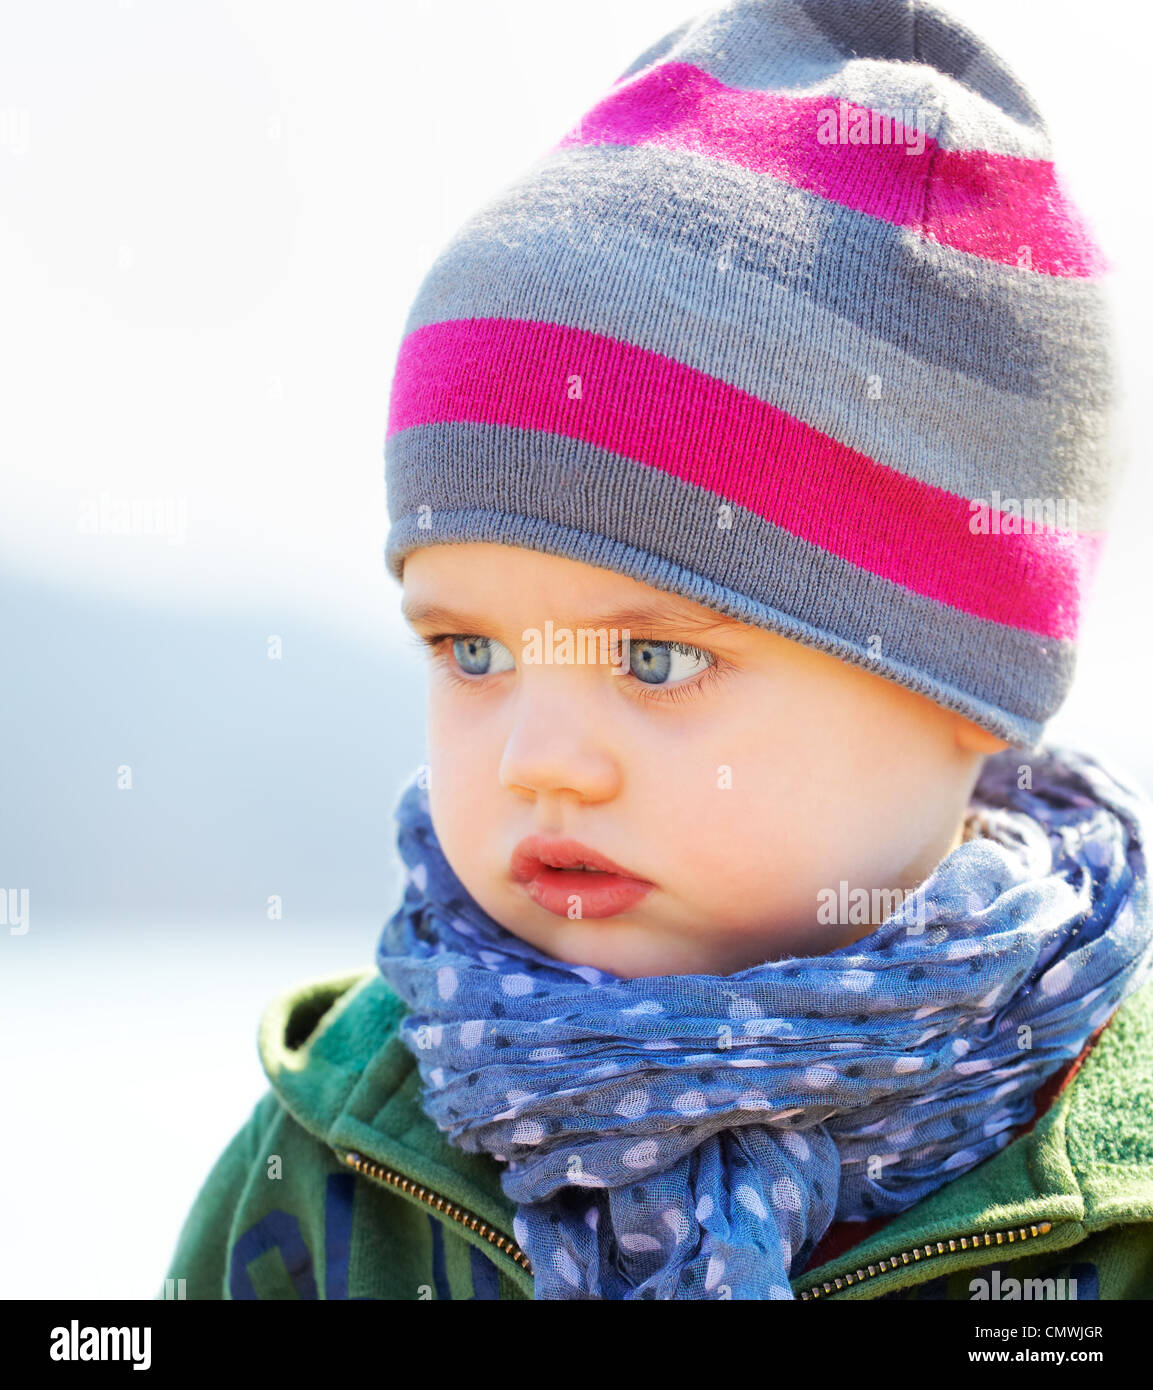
(653, 662)
(475, 655)
(664, 670)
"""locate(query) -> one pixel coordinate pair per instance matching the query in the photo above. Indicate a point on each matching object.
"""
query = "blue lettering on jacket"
(280, 1230)
(337, 1233)
(439, 1277)
(485, 1279)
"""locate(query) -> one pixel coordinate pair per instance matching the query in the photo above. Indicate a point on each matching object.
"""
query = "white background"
(213, 220)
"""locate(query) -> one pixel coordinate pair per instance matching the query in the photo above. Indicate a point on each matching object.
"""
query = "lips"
(536, 851)
(572, 880)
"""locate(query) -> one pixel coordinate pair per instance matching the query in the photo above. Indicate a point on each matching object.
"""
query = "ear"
(973, 739)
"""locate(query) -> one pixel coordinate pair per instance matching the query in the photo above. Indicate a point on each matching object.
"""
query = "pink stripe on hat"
(991, 205)
(646, 407)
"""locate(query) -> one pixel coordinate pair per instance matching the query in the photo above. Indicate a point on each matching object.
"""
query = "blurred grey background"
(213, 219)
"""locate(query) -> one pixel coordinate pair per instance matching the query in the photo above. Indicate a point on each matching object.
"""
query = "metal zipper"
(442, 1204)
(1011, 1236)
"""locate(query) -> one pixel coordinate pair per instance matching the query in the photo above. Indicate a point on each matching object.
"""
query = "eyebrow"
(653, 616)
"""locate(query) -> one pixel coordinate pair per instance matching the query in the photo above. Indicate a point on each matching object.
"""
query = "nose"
(558, 743)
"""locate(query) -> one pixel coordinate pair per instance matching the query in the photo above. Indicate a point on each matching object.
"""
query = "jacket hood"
(333, 1056)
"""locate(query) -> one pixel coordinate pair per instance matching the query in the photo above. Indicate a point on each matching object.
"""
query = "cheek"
(452, 803)
(443, 721)
(457, 763)
(464, 727)
(763, 812)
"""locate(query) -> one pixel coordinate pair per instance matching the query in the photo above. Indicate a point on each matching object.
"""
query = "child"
(746, 465)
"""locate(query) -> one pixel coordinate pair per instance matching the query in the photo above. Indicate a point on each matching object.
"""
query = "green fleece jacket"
(339, 1186)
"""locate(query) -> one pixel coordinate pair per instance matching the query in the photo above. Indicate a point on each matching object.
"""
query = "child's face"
(739, 778)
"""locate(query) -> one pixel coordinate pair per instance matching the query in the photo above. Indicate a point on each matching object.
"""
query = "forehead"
(513, 583)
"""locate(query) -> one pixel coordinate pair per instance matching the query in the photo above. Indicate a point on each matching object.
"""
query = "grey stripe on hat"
(783, 346)
(913, 31)
(827, 49)
(1022, 332)
(473, 482)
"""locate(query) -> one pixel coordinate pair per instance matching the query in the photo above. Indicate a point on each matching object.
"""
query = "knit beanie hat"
(799, 323)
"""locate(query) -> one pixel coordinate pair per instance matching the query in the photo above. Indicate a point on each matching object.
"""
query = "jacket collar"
(331, 1051)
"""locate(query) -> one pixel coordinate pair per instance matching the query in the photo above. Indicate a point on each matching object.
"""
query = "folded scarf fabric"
(693, 1136)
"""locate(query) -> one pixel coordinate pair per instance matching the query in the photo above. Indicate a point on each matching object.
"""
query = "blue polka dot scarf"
(694, 1136)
